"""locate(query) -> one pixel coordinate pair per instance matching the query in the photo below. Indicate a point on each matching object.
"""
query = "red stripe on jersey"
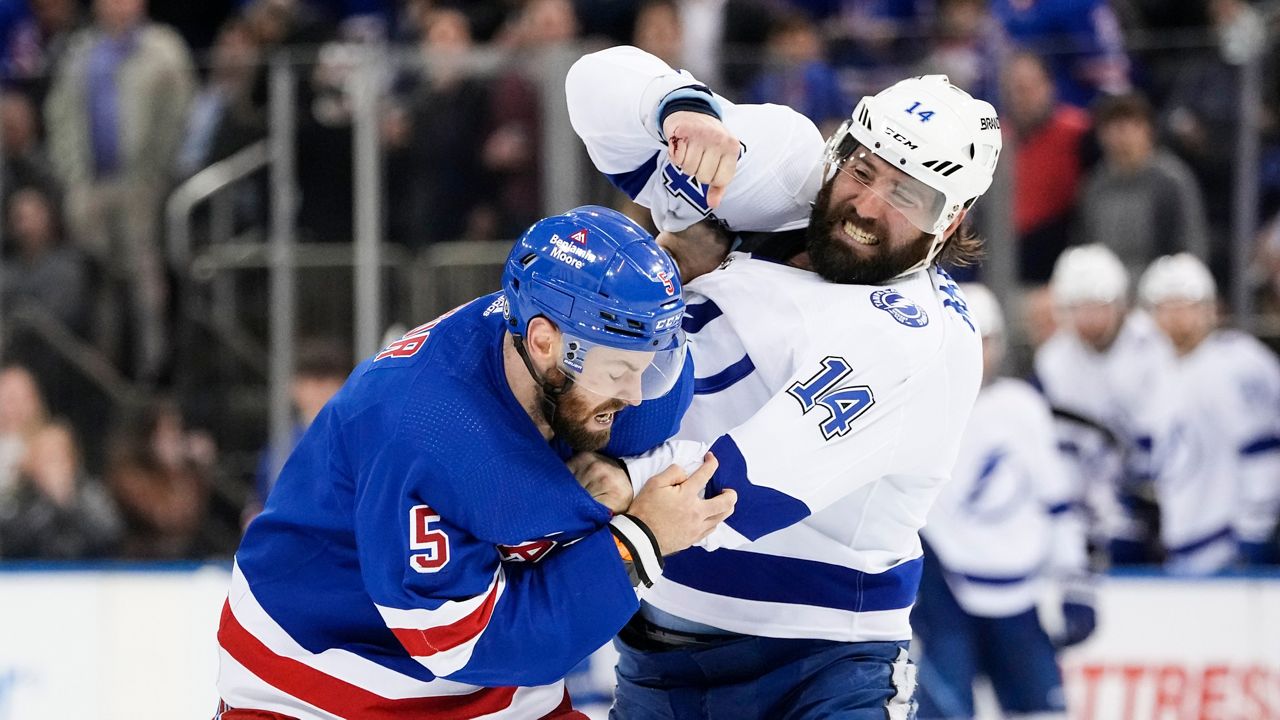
(424, 643)
(341, 698)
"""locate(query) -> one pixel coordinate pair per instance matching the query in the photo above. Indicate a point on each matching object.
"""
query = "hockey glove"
(1079, 617)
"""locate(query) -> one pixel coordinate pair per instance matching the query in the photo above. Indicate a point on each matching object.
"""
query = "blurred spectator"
(658, 31)
(512, 151)
(1140, 200)
(22, 414)
(1080, 39)
(115, 116)
(797, 75)
(57, 512)
(968, 48)
(160, 476)
(881, 38)
(25, 162)
(287, 22)
(1103, 371)
(1217, 488)
(723, 39)
(1202, 108)
(321, 370)
(45, 271)
(440, 126)
(224, 116)
(37, 43)
(1046, 137)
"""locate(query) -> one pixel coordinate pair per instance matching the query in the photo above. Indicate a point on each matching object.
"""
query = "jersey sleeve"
(614, 97)
(463, 611)
(1257, 411)
(617, 99)
(1059, 495)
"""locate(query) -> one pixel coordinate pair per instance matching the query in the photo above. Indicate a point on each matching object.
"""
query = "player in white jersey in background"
(832, 387)
(1004, 527)
(1218, 485)
(1101, 372)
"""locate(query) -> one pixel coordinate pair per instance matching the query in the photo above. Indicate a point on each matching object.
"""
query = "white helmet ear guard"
(934, 132)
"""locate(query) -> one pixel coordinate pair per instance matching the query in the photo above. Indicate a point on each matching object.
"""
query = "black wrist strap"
(646, 556)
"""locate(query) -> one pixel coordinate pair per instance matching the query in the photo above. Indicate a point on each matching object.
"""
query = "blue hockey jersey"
(425, 552)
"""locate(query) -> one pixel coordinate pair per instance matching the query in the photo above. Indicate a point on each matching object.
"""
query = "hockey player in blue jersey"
(1003, 533)
(426, 553)
(832, 384)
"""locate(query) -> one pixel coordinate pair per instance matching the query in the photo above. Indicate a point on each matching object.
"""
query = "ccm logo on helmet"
(900, 138)
(990, 123)
(667, 323)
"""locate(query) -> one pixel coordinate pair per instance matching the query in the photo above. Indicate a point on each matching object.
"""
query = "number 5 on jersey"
(422, 537)
(844, 405)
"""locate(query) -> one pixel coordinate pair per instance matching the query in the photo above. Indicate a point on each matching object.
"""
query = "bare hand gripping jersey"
(425, 553)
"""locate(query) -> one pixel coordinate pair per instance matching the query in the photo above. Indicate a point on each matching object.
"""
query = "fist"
(704, 149)
(604, 478)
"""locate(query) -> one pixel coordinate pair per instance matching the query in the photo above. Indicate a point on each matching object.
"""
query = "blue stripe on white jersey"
(738, 573)
(697, 315)
(724, 379)
(1257, 446)
(633, 181)
(761, 510)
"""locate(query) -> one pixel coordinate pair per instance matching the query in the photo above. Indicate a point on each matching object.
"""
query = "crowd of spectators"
(105, 105)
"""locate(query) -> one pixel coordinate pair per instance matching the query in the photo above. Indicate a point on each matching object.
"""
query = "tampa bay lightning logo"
(899, 307)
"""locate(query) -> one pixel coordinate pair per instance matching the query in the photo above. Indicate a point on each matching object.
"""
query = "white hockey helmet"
(937, 134)
(984, 308)
(1088, 274)
(1177, 277)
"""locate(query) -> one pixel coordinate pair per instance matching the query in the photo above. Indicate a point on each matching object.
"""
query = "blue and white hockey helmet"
(613, 294)
(944, 142)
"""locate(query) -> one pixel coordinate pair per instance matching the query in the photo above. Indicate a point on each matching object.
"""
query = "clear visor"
(627, 375)
(920, 204)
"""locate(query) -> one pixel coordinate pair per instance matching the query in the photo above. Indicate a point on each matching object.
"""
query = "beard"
(836, 258)
(573, 416)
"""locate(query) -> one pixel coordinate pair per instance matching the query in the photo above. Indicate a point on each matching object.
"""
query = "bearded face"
(584, 419)
(846, 246)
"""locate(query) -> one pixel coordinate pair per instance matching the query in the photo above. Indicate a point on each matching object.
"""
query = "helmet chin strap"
(551, 394)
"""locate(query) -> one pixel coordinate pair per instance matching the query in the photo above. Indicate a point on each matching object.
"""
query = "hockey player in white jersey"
(832, 387)
(1101, 372)
(1218, 483)
(1004, 527)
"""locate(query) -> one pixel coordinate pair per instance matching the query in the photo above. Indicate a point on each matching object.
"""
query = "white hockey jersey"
(1219, 482)
(1007, 520)
(1117, 392)
(614, 97)
(835, 412)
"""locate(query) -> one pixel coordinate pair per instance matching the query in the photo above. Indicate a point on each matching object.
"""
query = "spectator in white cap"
(1218, 480)
(1100, 371)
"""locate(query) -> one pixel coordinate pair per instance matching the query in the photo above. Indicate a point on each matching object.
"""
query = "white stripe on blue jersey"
(836, 439)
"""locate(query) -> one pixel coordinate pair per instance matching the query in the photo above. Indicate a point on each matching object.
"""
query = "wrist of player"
(638, 548)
